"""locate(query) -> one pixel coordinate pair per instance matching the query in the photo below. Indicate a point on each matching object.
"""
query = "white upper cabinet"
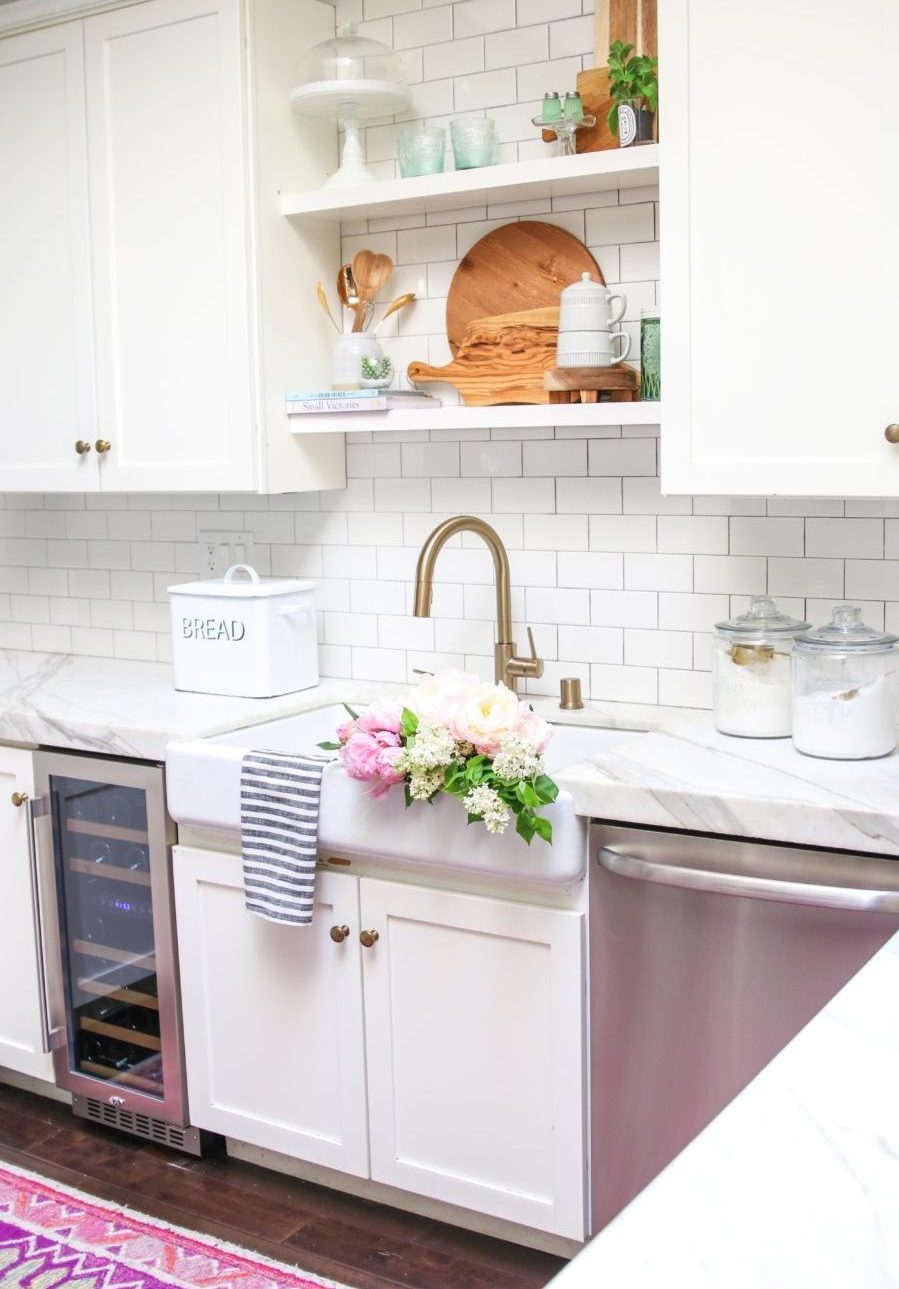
(168, 238)
(780, 266)
(46, 360)
(155, 305)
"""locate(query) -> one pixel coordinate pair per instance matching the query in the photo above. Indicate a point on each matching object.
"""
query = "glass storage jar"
(845, 689)
(751, 671)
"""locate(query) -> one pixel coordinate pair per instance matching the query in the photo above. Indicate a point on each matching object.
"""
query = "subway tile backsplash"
(621, 585)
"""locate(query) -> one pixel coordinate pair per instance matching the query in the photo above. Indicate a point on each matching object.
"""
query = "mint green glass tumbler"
(474, 143)
(421, 151)
(650, 356)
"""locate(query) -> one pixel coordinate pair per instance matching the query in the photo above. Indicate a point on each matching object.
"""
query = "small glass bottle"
(552, 106)
(573, 107)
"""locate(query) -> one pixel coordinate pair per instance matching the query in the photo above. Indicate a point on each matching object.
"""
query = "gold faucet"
(508, 668)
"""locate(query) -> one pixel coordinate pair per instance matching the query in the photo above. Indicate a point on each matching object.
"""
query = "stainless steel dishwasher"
(706, 957)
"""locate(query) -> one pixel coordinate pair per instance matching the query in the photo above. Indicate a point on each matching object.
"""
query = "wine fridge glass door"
(101, 842)
(111, 843)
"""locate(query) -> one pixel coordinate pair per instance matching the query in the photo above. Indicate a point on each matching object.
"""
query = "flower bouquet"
(462, 737)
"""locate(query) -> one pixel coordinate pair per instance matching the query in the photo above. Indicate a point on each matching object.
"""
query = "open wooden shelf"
(576, 415)
(512, 181)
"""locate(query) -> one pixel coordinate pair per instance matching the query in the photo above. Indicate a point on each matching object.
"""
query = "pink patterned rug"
(53, 1237)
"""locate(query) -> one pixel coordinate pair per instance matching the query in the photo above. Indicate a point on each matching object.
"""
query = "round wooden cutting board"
(519, 266)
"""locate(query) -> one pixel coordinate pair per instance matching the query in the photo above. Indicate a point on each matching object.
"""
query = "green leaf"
(543, 828)
(408, 724)
(526, 794)
(612, 119)
(355, 715)
(330, 747)
(546, 787)
(524, 825)
(407, 795)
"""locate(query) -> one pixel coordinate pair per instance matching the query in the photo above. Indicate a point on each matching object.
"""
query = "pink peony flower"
(533, 729)
(387, 766)
(381, 716)
(359, 756)
(346, 731)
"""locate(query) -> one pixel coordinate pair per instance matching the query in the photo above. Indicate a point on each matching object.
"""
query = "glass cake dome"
(350, 77)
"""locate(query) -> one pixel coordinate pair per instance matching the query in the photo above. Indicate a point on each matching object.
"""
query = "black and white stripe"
(279, 801)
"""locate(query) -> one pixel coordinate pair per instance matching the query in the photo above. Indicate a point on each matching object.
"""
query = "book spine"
(309, 407)
(332, 395)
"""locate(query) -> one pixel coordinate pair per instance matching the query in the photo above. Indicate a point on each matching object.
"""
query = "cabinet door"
(21, 1042)
(272, 1016)
(168, 235)
(474, 1015)
(46, 370)
(779, 263)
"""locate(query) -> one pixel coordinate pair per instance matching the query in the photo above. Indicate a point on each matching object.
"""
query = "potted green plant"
(634, 87)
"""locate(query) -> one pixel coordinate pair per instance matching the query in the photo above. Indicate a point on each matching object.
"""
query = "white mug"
(587, 306)
(592, 348)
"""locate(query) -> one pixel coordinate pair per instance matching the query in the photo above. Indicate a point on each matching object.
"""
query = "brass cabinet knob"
(82, 446)
(102, 445)
(891, 433)
(368, 938)
(339, 933)
(19, 798)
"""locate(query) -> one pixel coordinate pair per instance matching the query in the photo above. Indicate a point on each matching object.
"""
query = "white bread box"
(249, 639)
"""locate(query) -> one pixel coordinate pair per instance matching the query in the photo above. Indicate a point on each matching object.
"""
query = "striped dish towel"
(279, 802)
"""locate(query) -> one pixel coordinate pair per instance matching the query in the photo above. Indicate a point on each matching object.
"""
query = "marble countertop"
(795, 1185)
(124, 708)
(687, 775)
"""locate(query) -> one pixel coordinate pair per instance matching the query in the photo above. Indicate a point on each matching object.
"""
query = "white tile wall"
(620, 584)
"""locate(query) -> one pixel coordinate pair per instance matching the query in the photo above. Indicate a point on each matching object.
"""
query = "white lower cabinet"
(21, 1039)
(444, 1037)
(272, 1016)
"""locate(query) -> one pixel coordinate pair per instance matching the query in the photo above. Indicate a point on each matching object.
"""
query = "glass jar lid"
(762, 618)
(846, 631)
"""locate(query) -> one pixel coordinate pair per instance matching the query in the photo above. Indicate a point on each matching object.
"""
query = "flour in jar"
(752, 691)
(848, 724)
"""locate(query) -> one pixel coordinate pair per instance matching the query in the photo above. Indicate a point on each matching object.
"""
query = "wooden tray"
(521, 266)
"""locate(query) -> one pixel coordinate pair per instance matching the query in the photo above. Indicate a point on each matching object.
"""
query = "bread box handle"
(242, 568)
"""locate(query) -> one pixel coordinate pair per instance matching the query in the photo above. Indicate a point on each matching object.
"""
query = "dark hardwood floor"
(360, 1243)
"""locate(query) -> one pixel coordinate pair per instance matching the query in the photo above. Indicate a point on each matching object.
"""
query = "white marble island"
(796, 1184)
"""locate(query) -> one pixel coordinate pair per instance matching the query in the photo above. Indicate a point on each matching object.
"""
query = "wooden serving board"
(519, 266)
(502, 359)
(634, 22)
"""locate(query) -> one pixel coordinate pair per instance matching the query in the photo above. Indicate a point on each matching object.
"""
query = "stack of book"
(357, 400)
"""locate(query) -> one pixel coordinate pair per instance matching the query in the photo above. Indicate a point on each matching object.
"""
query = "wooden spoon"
(323, 301)
(394, 307)
(371, 271)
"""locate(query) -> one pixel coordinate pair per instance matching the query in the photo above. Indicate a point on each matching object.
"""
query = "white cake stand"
(350, 101)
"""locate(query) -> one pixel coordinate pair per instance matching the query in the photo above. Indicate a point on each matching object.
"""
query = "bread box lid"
(256, 588)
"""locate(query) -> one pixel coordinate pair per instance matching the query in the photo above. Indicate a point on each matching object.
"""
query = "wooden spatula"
(371, 271)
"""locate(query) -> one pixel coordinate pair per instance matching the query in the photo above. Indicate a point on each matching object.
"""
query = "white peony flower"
(485, 716)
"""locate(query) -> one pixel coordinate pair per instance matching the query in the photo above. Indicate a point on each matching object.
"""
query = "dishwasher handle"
(817, 895)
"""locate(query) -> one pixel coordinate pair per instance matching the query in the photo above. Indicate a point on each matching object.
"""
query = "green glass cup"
(650, 356)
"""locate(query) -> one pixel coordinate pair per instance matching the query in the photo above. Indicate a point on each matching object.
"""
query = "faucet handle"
(527, 668)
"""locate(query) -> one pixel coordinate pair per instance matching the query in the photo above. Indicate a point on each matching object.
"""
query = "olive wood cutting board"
(520, 266)
(501, 359)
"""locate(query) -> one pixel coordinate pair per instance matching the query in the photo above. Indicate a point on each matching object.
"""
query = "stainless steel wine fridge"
(112, 979)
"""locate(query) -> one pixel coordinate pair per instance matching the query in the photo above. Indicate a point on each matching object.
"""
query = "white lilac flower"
(433, 746)
(487, 804)
(424, 783)
(516, 760)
